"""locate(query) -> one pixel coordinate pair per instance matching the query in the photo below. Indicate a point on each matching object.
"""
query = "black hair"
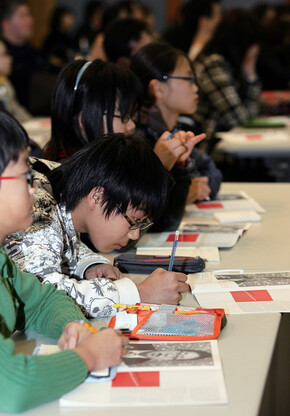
(100, 86)
(124, 165)
(57, 16)
(155, 60)
(237, 31)
(13, 139)
(119, 35)
(8, 7)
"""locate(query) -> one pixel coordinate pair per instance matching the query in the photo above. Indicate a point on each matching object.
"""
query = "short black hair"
(100, 87)
(124, 165)
(119, 35)
(8, 7)
(13, 139)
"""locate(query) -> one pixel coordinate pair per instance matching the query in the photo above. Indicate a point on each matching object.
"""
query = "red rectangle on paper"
(137, 379)
(254, 136)
(186, 238)
(207, 205)
(252, 296)
(45, 123)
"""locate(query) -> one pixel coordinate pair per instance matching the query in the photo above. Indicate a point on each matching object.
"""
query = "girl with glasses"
(170, 91)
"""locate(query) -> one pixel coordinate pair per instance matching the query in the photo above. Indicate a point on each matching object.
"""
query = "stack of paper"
(244, 292)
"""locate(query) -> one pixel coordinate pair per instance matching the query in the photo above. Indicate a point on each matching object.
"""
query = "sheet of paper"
(245, 203)
(204, 381)
(256, 136)
(206, 253)
(237, 216)
(191, 239)
(245, 292)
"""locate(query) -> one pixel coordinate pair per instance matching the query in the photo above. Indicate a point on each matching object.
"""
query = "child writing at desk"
(27, 381)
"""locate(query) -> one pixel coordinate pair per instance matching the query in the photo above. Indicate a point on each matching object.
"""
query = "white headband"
(80, 74)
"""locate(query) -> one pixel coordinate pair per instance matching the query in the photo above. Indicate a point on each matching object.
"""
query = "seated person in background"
(168, 82)
(91, 99)
(60, 46)
(8, 100)
(28, 381)
(110, 189)
(123, 38)
(16, 24)
(229, 87)
(198, 20)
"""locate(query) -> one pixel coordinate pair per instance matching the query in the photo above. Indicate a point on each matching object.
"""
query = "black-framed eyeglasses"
(29, 176)
(136, 224)
(191, 79)
(127, 117)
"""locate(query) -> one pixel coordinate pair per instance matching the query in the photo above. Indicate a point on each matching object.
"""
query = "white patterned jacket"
(52, 250)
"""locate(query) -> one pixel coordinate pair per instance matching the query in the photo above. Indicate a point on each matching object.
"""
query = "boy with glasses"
(110, 189)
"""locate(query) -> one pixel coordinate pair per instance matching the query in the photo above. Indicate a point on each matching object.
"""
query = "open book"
(245, 292)
(158, 374)
(239, 201)
(197, 236)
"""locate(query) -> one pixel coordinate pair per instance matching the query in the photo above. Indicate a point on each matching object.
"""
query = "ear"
(156, 88)
(95, 197)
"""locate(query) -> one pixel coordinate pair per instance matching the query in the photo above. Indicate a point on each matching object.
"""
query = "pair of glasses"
(136, 224)
(127, 117)
(29, 176)
(191, 79)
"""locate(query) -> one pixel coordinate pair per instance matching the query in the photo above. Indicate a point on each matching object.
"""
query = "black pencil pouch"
(137, 263)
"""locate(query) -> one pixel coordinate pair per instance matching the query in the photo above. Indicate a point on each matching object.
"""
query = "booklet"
(246, 292)
(199, 237)
(158, 374)
(225, 202)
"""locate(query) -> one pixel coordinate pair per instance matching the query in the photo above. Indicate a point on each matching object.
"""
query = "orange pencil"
(89, 327)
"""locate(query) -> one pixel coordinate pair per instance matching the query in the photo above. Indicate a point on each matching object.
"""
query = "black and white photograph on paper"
(257, 279)
(156, 354)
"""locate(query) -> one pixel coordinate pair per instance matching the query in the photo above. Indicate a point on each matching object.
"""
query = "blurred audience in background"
(226, 74)
(195, 26)
(124, 37)
(16, 24)
(274, 59)
(8, 99)
(91, 26)
(60, 45)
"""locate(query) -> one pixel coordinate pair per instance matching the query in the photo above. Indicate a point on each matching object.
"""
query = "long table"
(247, 342)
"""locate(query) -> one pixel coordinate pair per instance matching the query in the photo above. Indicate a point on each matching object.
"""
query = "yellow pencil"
(141, 308)
(89, 327)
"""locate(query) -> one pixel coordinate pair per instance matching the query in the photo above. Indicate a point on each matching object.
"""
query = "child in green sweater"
(27, 381)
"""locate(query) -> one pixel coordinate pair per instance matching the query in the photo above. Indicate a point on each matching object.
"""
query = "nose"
(134, 234)
(195, 87)
(130, 126)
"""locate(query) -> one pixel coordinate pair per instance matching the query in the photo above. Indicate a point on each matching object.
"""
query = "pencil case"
(137, 263)
(167, 325)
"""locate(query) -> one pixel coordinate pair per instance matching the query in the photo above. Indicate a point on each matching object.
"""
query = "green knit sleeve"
(42, 308)
(28, 381)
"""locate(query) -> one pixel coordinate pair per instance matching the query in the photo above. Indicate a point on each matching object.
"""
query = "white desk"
(39, 130)
(246, 343)
(254, 146)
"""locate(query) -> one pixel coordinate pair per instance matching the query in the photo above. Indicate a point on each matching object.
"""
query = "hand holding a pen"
(98, 350)
(175, 147)
(199, 190)
(163, 286)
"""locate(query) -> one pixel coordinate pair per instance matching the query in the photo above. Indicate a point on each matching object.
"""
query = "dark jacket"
(151, 126)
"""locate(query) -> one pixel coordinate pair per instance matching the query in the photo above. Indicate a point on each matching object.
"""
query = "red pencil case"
(187, 325)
